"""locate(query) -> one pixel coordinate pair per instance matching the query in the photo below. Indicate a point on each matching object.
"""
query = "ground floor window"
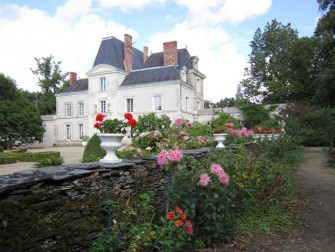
(130, 105)
(81, 131)
(68, 132)
(157, 102)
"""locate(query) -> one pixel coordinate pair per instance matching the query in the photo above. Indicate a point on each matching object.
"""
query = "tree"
(19, 119)
(325, 32)
(50, 76)
(51, 81)
(268, 75)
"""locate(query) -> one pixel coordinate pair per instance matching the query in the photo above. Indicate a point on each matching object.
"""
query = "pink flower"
(224, 178)
(179, 121)
(148, 148)
(189, 125)
(175, 155)
(204, 179)
(162, 158)
(216, 169)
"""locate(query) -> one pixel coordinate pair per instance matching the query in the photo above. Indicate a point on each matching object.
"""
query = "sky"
(217, 31)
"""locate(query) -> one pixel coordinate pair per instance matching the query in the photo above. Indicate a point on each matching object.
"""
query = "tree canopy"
(19, 119)
(51, 80)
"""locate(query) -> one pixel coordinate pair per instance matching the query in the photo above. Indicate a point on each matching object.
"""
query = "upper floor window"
(81, 109)
(103, 106)
(68, 110)
(157, 102)
(130, 105)
(102, 84)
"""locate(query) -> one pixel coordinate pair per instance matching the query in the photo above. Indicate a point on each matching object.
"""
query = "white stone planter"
(110, 143)
(220, 138)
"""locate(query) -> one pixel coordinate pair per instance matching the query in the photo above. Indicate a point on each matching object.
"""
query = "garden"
(245, 188)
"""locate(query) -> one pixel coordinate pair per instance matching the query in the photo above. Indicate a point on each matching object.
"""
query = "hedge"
(13, 157)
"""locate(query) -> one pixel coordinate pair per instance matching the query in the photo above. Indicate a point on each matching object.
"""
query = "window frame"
(157, 106)
(81, 108)
(81, 130)
(102, 107)
(129, 105)
(68, 109)
(68, 132)
(102, 84)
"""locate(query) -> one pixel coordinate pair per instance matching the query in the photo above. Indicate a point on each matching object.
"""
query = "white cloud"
(27, 34)
(73, 9)
(218, 58)
(216, 11)
(127, 5)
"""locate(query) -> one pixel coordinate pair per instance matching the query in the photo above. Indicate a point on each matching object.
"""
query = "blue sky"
(217, 31)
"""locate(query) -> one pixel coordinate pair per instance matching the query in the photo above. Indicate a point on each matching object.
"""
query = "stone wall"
(62, 208)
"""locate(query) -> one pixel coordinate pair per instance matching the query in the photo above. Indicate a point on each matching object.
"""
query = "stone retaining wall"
(61, 208)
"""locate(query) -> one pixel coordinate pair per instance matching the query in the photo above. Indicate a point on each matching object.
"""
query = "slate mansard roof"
(111, 52)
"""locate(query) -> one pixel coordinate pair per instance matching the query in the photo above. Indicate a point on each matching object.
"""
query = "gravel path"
(71, 155)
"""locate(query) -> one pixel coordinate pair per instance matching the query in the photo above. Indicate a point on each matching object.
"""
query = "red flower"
(189, 230)
(170, 216)
(178, 223)
(99, 117)
(189, 227)
(128, 116)
(182, 215)
(132, 123)
(97, 125)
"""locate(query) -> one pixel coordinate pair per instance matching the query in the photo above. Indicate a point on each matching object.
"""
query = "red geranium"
(100, 117)
(132, 122)
(128, 116)
(97, 125)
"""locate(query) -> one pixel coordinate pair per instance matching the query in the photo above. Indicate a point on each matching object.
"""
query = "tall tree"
(19, 119)
(325, 32)
(267, 77)
(51, 80)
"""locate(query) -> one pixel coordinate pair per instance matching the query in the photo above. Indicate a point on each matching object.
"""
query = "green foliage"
(46, 162)
(113, 126)
(50, 76)
(209, 207)
(23, 156)
(268, 76)
(16, 113)
(221, 121)
(313, 126)
(254, 114)
(130, 225)
(223, 103)
(330, 156)
(151, 122)
(93, 151)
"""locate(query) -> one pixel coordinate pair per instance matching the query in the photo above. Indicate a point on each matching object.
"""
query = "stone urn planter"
(110, 143)
(220, 138)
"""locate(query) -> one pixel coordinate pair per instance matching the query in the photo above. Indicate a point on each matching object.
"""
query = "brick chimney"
(128, 52)
(73, 77)
(170, 53)
(145, 54)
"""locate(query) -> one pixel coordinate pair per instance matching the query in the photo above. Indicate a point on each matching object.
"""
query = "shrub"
(93, 151)
(45, 162)
(254, 114)
(1, 148)
(151, 122)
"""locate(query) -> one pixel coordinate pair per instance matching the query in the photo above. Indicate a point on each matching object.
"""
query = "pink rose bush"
(217, 170)
(173, 155)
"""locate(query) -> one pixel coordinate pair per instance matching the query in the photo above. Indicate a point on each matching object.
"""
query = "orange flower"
(170, 216)
(178, 223)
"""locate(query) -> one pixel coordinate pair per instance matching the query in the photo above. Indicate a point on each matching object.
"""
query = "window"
(102, 106)
(157, 102)
(68, 132)
(68, 110)
(81, 130)
(130, 105)
(81, 109)
(186, 103)
(102, 84)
